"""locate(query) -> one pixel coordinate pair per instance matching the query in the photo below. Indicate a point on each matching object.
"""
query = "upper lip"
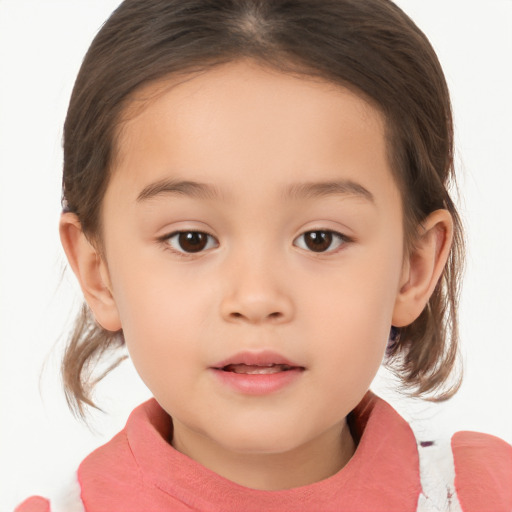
(262, 358)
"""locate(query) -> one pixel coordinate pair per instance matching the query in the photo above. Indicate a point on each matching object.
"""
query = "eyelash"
(341, 240)
(167, 241)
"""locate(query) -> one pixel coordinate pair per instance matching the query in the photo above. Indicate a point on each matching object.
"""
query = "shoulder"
(34, 504)
(66, 499)
(115, 466)
(483, 472)
(110, 470)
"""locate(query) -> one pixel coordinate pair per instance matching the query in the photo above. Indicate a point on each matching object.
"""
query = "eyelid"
(168, 246)
(342, 238)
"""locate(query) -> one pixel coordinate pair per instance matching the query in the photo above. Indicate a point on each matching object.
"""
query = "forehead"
(241, 120)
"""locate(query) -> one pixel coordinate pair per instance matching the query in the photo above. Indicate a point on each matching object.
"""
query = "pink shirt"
(139, 470)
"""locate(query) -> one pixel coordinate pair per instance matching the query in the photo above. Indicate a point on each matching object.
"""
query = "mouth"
(259, 373)
(257, 363)
(267, 369)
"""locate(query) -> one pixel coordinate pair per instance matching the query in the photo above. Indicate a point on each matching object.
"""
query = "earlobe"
(424, 267)
(90, 270)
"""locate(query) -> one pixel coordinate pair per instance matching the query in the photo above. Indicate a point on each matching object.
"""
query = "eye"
(320, 241)
(190, 241)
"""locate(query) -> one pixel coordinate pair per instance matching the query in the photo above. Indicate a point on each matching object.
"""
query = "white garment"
(68, 499)
(437, 475)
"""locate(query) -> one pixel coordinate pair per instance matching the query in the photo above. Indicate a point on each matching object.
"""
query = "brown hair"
(370, 46)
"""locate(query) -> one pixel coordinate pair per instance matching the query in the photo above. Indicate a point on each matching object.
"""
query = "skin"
(251, 133)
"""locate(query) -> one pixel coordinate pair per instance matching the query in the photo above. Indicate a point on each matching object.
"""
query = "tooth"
(262, 370)
(257, 369)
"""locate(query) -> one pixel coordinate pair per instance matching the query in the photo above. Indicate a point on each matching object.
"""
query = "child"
(255, 203)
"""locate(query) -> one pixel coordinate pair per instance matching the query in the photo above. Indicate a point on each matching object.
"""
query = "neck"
(316, 460)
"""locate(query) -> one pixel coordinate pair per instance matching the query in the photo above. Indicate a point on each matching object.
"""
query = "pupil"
(318, 241)
(192, 242)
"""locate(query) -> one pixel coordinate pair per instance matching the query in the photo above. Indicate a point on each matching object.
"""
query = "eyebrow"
(307, 190)
(178, 187)
(311, 190)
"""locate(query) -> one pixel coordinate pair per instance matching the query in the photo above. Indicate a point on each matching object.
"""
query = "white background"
(41, 47)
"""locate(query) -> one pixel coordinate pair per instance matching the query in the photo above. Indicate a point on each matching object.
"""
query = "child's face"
(267, 166)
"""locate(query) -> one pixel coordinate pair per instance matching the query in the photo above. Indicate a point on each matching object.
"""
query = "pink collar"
(382, 475)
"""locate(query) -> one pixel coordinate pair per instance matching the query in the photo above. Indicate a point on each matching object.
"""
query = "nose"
(256, 293)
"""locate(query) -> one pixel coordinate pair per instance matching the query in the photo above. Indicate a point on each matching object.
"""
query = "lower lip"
(258, 384)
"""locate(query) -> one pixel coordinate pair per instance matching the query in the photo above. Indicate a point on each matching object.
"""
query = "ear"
(423, 267)
(91, 271)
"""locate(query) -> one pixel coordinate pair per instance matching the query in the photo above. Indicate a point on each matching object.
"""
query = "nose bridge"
(256, 289)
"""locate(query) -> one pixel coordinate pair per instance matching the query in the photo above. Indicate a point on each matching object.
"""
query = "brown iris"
(318, 241)
(192, 241)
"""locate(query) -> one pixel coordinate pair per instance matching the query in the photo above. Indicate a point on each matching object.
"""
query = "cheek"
(360, 293)
(351, 346)
(351, 340)
(161, 317)
(351, 310)
(149, 293)
(162, 343)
